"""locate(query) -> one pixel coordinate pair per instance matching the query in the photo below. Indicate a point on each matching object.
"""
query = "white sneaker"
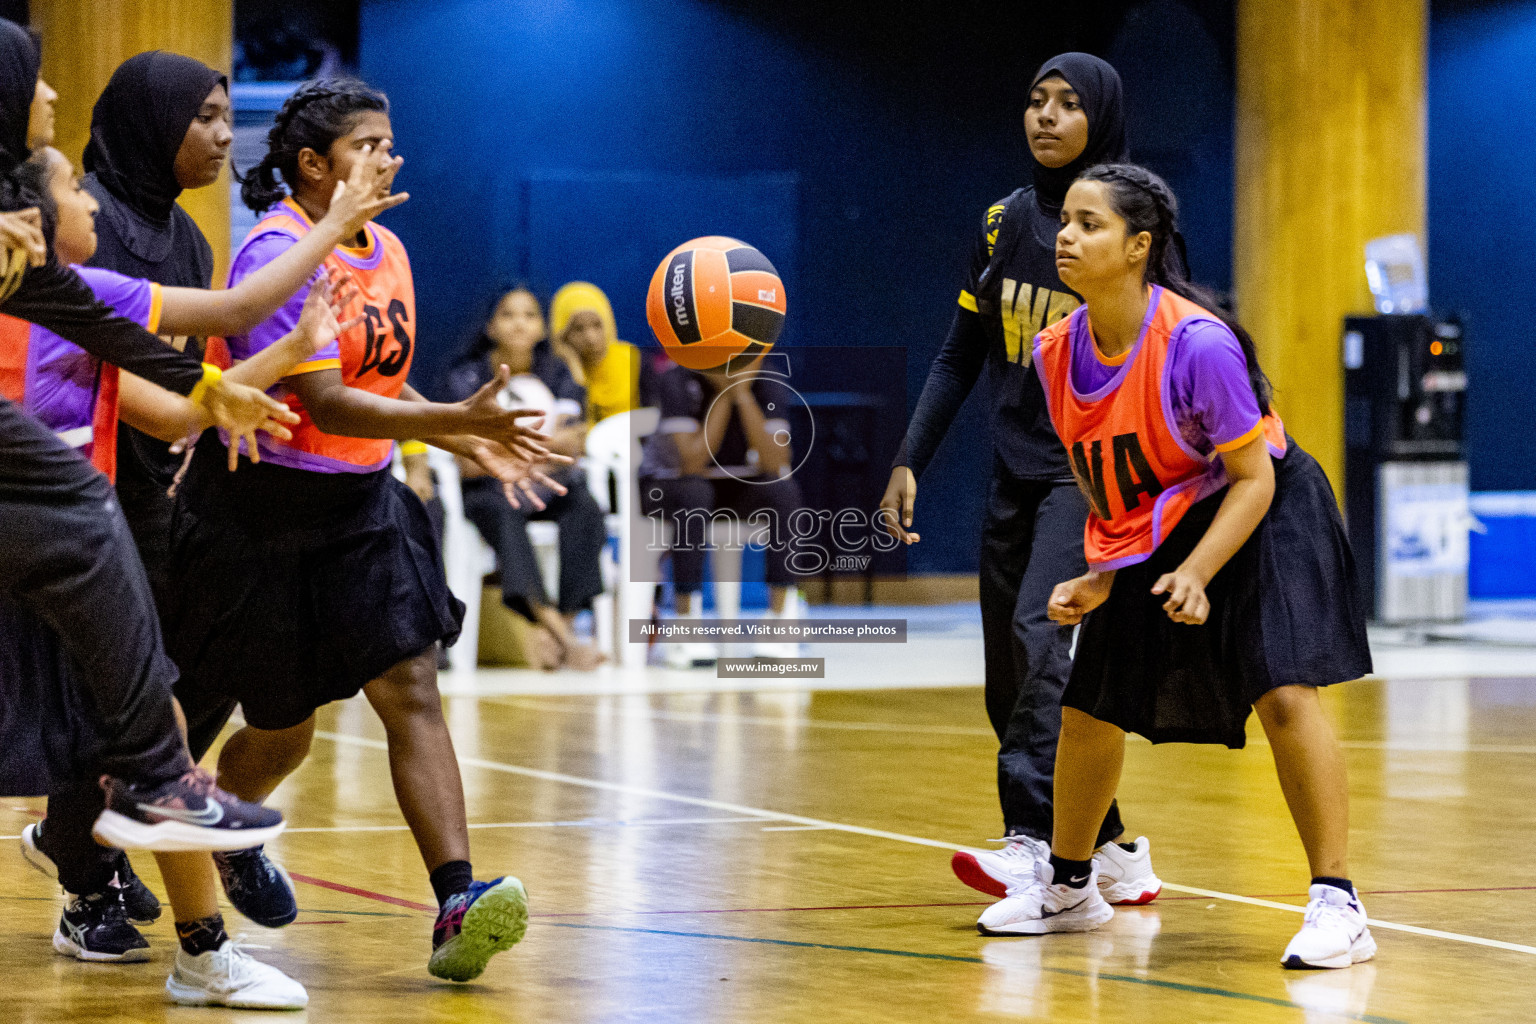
(1041, 906)
(1125, 876)
(781, 648)
(229, 976)
(995, 871)
(1334, 932)
(689, 656)
(34, 855)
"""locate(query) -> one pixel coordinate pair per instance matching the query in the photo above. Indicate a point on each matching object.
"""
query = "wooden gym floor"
(782, 855)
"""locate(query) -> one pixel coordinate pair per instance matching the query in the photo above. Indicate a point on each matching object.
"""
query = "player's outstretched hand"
(365, 194)
(520, 476)
(896, 507)
(1186, 602)
(242, 411)
(484, 417)
(321, 321)
(1072, 600)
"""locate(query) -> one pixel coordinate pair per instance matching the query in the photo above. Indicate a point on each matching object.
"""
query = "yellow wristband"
(413, 448)
(211, 376)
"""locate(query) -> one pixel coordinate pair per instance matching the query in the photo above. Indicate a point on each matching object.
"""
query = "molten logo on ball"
(713, 298)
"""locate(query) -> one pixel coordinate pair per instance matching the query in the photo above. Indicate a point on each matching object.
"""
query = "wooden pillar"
(85, 40)
(1330, 154)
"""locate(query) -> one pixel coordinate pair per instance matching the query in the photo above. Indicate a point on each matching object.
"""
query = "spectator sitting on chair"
(515, 335)
(722, 443)
(581, 323)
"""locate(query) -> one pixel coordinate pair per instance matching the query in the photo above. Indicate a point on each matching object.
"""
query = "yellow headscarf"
(613, 385)
(576, 297)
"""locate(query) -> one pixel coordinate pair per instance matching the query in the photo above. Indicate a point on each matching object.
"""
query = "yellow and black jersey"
(1019, 287)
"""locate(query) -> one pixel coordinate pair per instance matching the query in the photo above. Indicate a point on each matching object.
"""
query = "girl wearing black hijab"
(1034, 514)
(160, 126)
(65, 554)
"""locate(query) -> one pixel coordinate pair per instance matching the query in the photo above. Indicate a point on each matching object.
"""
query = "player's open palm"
(484, 417)
(365, 194)
(521, 475)
(320, 322)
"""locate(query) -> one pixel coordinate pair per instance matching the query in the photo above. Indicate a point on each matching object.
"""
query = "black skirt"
(293, 589)
(50, 732)
(1285, 610)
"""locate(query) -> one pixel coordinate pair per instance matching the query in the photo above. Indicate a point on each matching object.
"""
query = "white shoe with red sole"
(994, 871)
(1125, 876)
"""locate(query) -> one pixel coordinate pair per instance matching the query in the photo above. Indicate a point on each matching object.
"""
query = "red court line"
(364, 893)
(769, 910)
(412, 905)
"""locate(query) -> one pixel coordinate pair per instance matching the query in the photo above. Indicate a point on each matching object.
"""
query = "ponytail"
(1147, 204)
(314, 117)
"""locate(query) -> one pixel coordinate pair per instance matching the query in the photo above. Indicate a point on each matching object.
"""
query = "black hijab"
(1097, 85)
(138, 124)
(19, 62)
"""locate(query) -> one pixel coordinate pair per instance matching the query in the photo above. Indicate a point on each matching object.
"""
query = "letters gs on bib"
(375, 357)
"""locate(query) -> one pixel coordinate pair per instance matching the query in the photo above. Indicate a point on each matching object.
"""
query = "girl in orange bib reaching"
(360, 600)
(1219, 575)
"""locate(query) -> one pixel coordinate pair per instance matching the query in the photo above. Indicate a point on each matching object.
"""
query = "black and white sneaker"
(142, 905)
(33, 853)
(95, 928)
(257, 886)
(186, 814)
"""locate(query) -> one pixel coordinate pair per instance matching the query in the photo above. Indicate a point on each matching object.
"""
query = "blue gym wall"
(1482, 224)
(1482, 259)
(898, 127)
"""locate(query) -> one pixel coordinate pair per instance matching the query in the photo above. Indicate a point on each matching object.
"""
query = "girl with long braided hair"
(1219, 575)
(363, 600)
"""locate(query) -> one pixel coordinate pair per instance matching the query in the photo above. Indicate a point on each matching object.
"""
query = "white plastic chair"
(613, 452)
(468, 559)
(614, 445)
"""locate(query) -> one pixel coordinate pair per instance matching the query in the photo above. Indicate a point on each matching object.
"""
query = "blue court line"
(1176, 986)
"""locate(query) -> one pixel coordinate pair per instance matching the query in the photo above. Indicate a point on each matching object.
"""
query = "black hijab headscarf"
(138, 124)
(19, 63)
(1097, 85)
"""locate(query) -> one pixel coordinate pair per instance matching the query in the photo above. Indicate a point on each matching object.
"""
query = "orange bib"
(375, 355)
(101, 450)
(1139, 474)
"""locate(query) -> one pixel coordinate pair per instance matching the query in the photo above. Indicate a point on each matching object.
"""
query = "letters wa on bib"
(1145, 435)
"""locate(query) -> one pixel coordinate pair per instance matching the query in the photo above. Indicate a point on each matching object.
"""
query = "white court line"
(794, 828)
(875, 833)
(1374, 922)
(580, 823)
(654, 794)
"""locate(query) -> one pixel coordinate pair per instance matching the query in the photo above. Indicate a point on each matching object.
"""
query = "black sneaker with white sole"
(142, 905)
(188, 813)
(95, 928)
(257, 887)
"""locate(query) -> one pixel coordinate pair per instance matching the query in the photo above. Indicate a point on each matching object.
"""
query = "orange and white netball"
(714, 298)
